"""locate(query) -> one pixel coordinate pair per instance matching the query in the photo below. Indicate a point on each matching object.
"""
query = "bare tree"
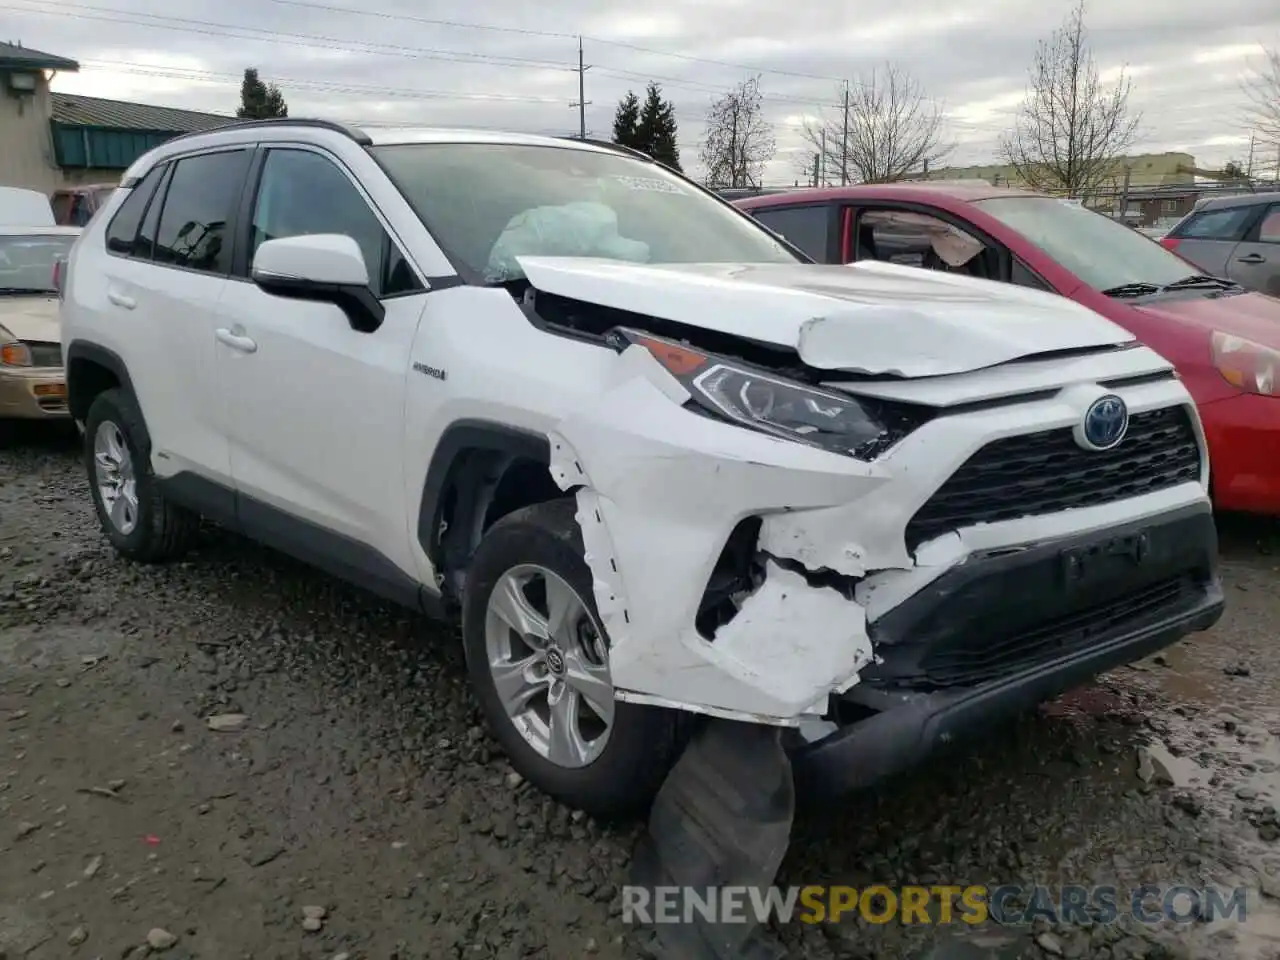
(885, 128)
(738, 142)
(1263, 89)
(1071, 130)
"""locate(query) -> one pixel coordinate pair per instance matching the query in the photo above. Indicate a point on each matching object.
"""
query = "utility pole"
(815, 168)
(844, 140)
(823, 171)
(583, 102)
(1248, 169)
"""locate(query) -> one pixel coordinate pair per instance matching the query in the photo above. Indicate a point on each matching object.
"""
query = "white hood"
(31, 318)
(874, 318)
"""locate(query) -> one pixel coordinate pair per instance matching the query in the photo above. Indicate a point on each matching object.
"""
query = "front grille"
(979, 657)
(44, 354)
(1048, 472)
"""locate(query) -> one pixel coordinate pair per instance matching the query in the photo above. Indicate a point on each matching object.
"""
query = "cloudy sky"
(512, 64)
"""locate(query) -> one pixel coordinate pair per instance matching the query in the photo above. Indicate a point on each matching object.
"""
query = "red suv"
(1224, 340)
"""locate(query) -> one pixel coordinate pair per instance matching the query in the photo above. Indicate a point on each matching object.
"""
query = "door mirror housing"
(322, 267)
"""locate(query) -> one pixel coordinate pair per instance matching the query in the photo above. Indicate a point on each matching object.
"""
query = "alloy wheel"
(548, 659)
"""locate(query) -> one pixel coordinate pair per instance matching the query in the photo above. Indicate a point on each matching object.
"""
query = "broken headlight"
(771, 404)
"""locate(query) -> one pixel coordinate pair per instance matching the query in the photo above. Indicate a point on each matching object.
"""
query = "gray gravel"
(237, 757)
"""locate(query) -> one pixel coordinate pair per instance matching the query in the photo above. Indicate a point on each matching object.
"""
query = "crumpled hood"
(31, 318)
(874, 318)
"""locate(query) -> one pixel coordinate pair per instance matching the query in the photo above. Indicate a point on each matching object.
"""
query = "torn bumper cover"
(661, 491)
(1004, 632)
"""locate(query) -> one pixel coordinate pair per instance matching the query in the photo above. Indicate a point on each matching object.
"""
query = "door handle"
(1253, 258)
(236, 341)
(121, 300)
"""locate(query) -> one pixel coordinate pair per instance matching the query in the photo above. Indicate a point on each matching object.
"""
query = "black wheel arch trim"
(457, 438)
(102, 357)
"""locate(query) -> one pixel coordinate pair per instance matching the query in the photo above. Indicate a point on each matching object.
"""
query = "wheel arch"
(480, 471)
(91, 369)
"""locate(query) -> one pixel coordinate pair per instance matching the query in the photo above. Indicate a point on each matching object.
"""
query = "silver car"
(1233, 237)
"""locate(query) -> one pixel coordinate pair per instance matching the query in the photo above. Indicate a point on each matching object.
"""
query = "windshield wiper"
(1201, 280)
(1139, 289)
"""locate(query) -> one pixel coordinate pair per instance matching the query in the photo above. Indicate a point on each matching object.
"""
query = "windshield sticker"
(650, 184)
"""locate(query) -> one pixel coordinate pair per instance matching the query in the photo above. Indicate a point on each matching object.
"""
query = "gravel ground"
(349, 802)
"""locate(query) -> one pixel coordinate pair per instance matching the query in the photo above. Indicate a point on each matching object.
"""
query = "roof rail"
(610, 145)
(359, 136)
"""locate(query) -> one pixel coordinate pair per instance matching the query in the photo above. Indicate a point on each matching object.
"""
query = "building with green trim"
(54, 140)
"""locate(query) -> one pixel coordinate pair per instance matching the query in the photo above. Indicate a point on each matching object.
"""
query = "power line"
(194, 75)
(212, 28)
(210, 76)
(429, 21)
(409, 93)
(549, 34)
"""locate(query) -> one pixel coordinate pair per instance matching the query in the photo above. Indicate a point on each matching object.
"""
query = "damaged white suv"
(660, 464)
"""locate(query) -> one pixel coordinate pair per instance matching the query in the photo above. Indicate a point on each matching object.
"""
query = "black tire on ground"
(163, 530)
(644, 741)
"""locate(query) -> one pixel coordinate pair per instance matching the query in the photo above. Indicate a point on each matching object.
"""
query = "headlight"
(1247, 365)
(13, 352)
(774, 405)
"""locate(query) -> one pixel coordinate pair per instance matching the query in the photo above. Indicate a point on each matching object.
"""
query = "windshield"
(1100, 251)
(488, 204)
(26, 261)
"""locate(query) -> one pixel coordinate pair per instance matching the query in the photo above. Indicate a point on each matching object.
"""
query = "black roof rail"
(359, 136)
(610, 145)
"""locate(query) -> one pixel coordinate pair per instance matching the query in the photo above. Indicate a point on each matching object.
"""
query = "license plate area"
(1092, 564)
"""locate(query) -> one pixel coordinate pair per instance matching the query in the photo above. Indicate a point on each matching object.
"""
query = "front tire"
(140, 523)
(538, 656)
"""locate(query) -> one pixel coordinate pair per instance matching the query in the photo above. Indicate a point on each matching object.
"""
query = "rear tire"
(135, 516)
(529, 567)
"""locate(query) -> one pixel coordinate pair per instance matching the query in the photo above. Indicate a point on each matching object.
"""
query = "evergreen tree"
(258, 100)
(656, 129)
(664, 148)
(626, 121)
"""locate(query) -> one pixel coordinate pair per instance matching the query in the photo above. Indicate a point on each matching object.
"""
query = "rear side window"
(1269, 228)
(805, 227)
(124, 225)
(144, 245)
(1226, 224)
(201, 200)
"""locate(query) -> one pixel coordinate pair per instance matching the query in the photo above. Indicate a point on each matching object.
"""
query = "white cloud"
(1233, 51)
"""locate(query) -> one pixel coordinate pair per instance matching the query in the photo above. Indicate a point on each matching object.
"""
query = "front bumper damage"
(846, 618)
(662, 490)
(1016, 629)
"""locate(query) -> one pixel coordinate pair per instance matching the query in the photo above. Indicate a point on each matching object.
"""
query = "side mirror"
(322, 267)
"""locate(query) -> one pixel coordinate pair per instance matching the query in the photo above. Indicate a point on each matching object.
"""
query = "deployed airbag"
(579, 229)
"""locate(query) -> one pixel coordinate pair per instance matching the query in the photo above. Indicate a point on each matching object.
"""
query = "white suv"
(659, 463)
